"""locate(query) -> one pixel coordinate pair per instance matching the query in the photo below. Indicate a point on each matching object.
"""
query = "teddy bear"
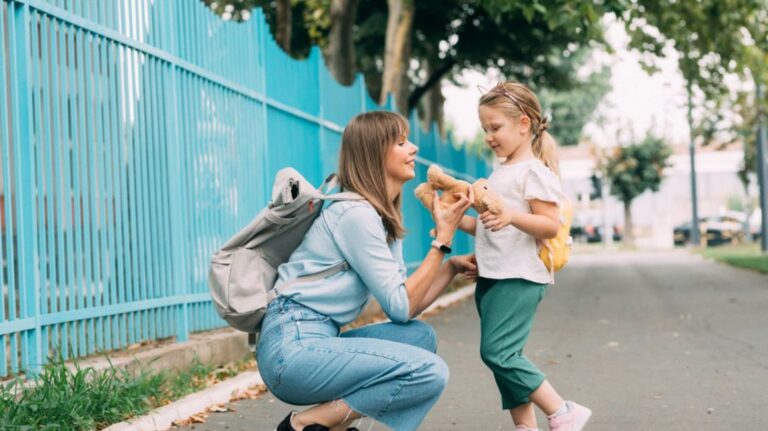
(485, 198)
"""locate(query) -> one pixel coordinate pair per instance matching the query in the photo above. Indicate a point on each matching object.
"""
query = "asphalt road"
(662, 340)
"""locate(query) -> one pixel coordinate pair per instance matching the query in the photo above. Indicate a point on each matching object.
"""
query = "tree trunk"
(397, 52)
(629, 236)
(433, 104)
(340, 51)
(284, 24)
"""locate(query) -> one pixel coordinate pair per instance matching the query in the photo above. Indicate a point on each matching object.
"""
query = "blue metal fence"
(137, 135)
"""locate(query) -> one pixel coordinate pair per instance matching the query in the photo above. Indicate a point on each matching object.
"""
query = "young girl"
(512, 279)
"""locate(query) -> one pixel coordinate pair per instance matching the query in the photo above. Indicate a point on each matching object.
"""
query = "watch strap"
(440, 246)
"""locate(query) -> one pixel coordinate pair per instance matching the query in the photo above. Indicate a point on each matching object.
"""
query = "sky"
(637, 103)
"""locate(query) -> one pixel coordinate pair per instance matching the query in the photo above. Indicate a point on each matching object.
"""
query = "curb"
(162, 419)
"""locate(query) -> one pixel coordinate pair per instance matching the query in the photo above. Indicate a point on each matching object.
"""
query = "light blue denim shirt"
(351, 231)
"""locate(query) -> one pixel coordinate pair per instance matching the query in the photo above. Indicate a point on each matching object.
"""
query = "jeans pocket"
(309, 329)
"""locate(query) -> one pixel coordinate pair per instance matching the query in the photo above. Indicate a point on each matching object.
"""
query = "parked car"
(589, 229)
(719, 229)
(753, 222)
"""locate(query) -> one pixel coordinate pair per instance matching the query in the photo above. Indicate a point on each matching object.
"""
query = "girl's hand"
(448, 217)
(495, 222)
(465, 264)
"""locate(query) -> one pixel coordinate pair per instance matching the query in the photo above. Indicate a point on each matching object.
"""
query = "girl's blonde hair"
(364, 146)
(515, 100)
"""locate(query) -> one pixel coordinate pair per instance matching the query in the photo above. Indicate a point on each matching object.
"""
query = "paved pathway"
(647, 340)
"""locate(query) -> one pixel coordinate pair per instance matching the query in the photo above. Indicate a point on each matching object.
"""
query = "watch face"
(445, 248)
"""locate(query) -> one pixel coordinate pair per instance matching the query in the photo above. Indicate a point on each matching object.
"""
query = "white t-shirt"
(510, 252)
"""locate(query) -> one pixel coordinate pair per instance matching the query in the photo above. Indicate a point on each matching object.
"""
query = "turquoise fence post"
(317, 57)
(26, 221)
(363, 100)
(177, 187)
(263, 32)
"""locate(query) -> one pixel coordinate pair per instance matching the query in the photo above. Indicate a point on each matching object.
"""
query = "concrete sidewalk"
(663, 340)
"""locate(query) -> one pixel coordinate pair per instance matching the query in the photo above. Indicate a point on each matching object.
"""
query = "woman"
(388, 371)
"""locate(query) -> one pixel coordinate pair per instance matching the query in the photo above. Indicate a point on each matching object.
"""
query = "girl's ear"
(525, 124)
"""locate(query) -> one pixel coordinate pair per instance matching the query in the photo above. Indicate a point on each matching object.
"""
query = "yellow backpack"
(554, 252)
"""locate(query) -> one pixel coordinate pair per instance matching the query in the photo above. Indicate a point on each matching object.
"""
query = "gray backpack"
(243, 272)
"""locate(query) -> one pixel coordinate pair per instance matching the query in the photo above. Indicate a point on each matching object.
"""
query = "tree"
(714, 38)
(531, 41)
(571, 109)
(397, 52)
(340, 53)
(632, 170)
(431, 40)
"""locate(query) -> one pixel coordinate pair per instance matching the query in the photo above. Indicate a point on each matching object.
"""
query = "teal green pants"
(507, 309)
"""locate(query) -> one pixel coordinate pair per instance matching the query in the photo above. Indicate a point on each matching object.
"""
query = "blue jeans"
(387, 371)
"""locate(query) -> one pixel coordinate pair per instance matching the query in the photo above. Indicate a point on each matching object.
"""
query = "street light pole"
(607, 227)
(695, 237)
(762, 166)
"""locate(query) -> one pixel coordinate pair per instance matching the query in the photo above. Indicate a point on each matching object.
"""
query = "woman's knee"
(434, 373)
(442, 373)
(422, 335)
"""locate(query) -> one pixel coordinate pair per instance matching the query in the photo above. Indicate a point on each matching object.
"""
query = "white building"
(655, 214)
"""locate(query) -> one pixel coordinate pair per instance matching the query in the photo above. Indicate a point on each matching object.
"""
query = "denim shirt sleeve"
(361, 237)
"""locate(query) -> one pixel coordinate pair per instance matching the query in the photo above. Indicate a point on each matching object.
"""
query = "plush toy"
(485, 198)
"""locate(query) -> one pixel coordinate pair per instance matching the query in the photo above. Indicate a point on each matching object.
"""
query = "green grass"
(742, 255)
(86, 399)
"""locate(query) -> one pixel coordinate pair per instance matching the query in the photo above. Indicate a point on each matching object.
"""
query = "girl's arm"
(542, 223)
(468, 224)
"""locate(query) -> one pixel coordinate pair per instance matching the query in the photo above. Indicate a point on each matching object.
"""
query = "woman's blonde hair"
(364, 146)
(515, 100)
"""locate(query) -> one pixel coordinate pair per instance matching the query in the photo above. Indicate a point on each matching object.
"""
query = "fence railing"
(138, 135)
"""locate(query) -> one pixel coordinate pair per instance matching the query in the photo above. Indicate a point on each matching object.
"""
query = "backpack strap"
(329, 184)
(551, 255)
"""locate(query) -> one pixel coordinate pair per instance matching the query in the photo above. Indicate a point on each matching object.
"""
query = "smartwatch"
(440, 246)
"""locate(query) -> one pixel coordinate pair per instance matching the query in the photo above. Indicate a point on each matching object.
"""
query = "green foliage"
(714, 38)
(633, 169)
(235, 10)
(571, 109)
(86, 399)
(81, 399)
(531, 41)
(743, 256)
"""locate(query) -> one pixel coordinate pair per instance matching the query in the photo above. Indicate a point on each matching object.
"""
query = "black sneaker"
(285, 425)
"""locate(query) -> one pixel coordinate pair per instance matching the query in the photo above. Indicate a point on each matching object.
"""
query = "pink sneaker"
(574, 420)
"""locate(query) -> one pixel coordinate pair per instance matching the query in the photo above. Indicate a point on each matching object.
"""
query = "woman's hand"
(494, 222)
(465, 264)
(448, 217)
